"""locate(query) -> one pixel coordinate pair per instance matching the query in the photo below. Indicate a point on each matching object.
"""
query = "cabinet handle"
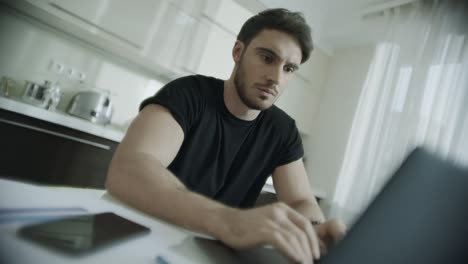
(84, 141)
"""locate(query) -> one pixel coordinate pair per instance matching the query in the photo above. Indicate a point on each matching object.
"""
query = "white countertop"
(60, 118)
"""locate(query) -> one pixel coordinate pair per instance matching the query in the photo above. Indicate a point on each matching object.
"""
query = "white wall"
(331, 127)
(301, 96)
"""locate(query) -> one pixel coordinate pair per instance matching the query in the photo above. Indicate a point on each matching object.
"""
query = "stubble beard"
(241, 88)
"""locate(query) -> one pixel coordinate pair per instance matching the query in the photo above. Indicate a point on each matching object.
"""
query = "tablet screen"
(85, 233)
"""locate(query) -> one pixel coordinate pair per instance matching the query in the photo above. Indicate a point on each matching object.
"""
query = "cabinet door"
(216, 58)
(227, 13)
(37, 151)
(192, 47)
(171, 37)
(224, 19)
(129, 22)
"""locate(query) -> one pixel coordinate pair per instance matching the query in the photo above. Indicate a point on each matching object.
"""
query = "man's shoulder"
(278, 115)
(197, 80)
(186, 90)
(277, 119)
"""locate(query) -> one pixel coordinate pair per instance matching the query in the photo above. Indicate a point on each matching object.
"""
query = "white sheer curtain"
(416, 93)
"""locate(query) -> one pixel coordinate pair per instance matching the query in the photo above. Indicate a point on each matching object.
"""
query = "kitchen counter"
(61, 118)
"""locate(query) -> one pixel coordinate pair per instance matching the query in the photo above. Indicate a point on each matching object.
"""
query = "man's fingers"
(338, 229)
(304, 224)
(331, 231)
(284, 245)
(298, 235)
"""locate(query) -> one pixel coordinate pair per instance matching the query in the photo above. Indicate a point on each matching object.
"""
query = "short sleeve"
(182, 97)
(292, 148)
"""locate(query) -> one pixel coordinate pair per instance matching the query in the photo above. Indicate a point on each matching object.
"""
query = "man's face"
(264, 67)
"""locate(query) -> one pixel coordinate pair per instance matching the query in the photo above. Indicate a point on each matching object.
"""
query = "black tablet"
(84, 233)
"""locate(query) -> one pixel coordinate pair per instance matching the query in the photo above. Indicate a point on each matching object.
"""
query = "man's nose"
(275, 75)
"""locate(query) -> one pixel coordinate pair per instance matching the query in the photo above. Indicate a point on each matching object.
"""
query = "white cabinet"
(129, 23)
(224, 18)
(216, 58)
(193, 46)
(172, 37)
(227, 13)
(167, 37)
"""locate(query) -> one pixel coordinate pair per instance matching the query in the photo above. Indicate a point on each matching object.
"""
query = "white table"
(164, 237)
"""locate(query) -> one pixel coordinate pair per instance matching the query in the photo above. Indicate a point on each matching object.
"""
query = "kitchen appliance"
(45, 96)
(92, 105)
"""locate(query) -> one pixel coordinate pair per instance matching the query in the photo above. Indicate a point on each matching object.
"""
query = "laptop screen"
(420, 216)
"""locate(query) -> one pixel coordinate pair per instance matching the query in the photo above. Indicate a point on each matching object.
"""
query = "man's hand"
(277, 225)
(329, 233)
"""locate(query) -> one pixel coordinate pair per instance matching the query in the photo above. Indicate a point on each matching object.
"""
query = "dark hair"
(280, 19)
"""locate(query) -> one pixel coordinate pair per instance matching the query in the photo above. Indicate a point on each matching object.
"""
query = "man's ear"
(237, 51)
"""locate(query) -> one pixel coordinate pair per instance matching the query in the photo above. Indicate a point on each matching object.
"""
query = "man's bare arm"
(292, 187)
(138, 173)
(138, 176)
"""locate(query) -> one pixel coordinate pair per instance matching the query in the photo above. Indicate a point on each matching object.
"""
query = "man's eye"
(289, 69)
(266, 59)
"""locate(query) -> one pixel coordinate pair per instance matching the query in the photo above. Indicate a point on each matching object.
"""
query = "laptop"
(420, 216)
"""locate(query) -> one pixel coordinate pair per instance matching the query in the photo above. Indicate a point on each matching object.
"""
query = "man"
(200, 150)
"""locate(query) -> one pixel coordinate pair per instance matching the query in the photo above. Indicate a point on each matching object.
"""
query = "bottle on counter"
(7, 86)
(53, 95)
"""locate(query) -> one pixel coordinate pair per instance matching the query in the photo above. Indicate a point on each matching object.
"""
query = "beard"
(241, 88)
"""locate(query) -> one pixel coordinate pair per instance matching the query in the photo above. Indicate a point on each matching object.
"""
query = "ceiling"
(338, 24)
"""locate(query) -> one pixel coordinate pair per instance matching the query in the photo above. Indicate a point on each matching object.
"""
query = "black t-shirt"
(223, 157)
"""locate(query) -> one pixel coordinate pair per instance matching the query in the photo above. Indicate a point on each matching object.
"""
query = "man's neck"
(234, 103)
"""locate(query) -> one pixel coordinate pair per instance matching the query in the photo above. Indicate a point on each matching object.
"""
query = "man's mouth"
(267, 90)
